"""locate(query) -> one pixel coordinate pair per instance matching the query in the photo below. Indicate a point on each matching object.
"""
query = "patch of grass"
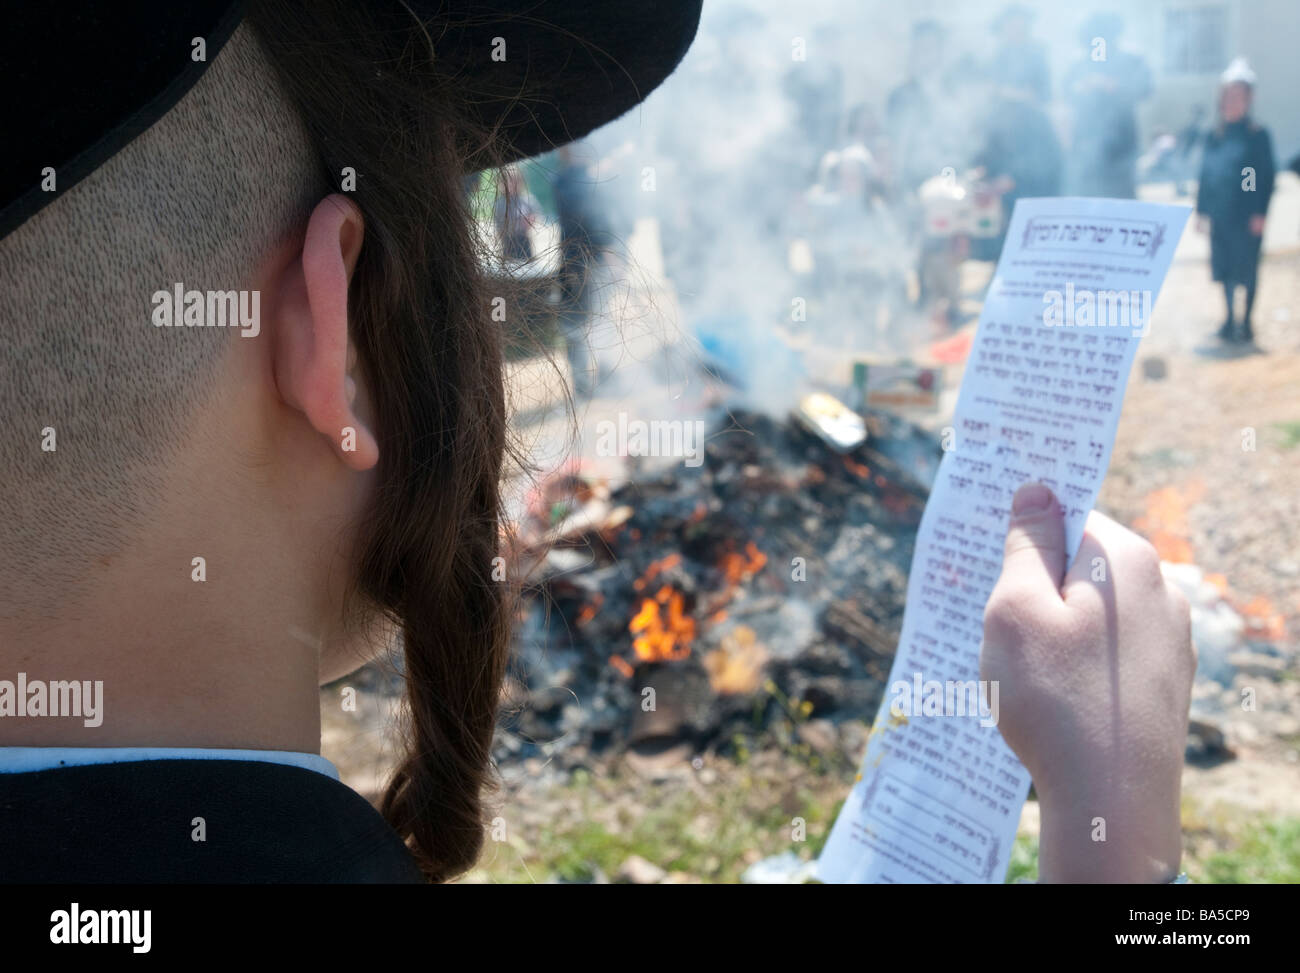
(1290, 433)
(1260, 852)
(1220, 847)
(1024, 860)
(1166, 458)
(712, 831)
(818, 842)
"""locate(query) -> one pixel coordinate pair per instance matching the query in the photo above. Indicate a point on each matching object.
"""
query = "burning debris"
(662, 637)
(776, 571)
(835, 423)
(1164, 523)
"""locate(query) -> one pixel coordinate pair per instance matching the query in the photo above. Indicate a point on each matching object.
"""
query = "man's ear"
(313, 357)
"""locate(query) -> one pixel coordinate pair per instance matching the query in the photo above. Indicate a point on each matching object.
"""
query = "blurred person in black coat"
(584, 238)
(1018, 61)
(922, 115)
(1103, 89)
(1236, 183)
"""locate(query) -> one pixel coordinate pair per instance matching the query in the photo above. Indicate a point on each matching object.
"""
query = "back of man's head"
(94, 396)
(340, 470)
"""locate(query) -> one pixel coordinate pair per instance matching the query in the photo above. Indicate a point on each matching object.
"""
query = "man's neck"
(182, 653)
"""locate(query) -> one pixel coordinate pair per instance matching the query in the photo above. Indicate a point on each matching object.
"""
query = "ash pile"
(697, 608)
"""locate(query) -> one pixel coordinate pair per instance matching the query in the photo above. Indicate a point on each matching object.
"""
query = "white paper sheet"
(939, 795)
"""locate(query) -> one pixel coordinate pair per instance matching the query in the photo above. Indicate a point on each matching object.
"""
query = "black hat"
(85, 79)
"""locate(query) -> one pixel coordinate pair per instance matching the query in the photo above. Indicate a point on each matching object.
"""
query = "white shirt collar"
(15, 760)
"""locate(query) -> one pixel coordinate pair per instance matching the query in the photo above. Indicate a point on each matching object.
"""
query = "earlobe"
(314, 360)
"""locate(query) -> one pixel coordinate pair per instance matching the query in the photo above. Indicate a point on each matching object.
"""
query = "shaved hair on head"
(200, 198)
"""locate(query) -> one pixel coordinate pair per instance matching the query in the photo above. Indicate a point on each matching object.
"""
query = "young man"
(204, 521)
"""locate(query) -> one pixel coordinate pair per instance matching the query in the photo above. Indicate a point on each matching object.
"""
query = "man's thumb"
(1035, 549)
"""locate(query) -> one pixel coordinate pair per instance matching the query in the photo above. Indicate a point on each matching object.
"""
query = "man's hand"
(1095, 669)
(1257, 225)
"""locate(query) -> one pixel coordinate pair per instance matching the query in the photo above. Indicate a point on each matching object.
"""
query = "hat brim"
(541, 73)
(535, 73)
(88, 80)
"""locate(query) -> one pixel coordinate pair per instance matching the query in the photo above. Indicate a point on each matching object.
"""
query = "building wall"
(1269, 34)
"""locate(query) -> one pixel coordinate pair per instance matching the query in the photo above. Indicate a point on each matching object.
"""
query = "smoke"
(779, 167)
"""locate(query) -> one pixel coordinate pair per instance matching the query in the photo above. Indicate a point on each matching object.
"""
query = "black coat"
(1222, 196)
(1103, 96)
(133, 822)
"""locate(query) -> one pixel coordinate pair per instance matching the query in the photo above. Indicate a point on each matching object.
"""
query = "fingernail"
(1031, 498)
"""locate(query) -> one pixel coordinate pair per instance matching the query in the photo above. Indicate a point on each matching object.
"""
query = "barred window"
(1196, 39)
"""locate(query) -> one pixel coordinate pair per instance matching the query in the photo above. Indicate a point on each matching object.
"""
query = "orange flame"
(860, 470)
(1262, 620)
(663, 636)
(736, 566)
(589, 610)
(663, 564)
(1165, 522)
(664, 632)
(736, 666)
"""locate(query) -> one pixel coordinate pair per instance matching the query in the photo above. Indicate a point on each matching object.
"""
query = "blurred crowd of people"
(962, 137)
(875, 207)
(521, 203)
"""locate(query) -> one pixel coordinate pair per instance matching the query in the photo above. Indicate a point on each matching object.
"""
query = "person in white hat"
(1236, 182)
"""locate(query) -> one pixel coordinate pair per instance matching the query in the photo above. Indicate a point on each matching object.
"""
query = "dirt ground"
(1207, 465)
(1190, 434)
